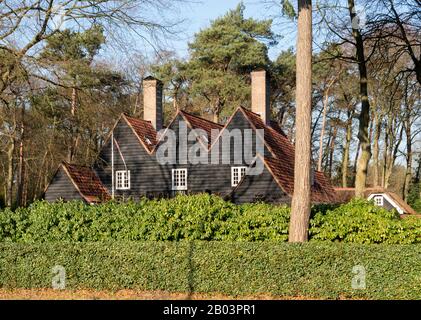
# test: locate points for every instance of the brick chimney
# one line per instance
(260, 95)
(152, 102)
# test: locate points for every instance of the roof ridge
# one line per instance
(76, 165)
(248, 110)
(200, 118)
(264, 124)
(137, 119)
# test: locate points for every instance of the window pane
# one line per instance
(179, 180)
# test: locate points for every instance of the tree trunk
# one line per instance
(73, 138)
(385, 155)
(322, 132)
(418, 171)
(354, 170)
(376, 151)
(325, 106)
(300, 207)
(325, 156)
(392, 158)
(408, 132)
(332, 151)
(408, 172)
(10, 173)
(364, 118)
(21, 166)
(217, 110)
(345, 160)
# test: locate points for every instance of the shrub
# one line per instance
(360, 221)
(416, 205)
(200, 217)
(316, 270)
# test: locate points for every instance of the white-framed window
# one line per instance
(236, 174)
(179, 179)
(122, 178)
(378, 200)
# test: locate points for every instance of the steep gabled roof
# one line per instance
(144, 131)
(199, 123)
(281, 164)
(406, 207)
(277, 142)
(86, 182)
(321, 190)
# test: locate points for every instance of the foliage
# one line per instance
(316, 270)
(200, 217)
(360, 221)
(414, 199)
(223, 55)
(416, 205)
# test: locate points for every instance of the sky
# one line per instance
(200, 14)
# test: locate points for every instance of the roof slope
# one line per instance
(200, 123)
(346, 194)
(406, 207)
(282, 163)
(144, 130)
(86, 182)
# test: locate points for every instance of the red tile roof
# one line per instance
(321, 190)
(282, 163)
(405, 207)
(200, 123)
(344, 194)
(275, 125)
(144, 130)
(86, 182)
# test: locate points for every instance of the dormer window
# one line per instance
(378, 201)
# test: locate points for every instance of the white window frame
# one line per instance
(237, 173)
(122, 176)
(175, 175)
(378, 200)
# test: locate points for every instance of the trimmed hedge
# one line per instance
(200, 217)
(317, 270)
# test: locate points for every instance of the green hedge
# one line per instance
(316, 270)
(200, 217)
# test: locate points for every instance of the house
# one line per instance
(381, 197)
(248, 159)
